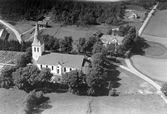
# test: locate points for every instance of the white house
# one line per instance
(108, 39)
(57, 62)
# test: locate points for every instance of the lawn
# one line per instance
(67, 103)
(129, 104)
(157, 25)
(11, 101)
(154, 68)
(132, 84)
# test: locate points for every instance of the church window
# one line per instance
(70, 69)
(46, 66)
(41, 66)
(64, 69)
(52, 68)
(34, 49)
(57, 71)
(37, 49)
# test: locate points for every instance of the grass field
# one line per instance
(131, 84)
(154, 68)
(157, 25)
(11, 101)
(128, 104)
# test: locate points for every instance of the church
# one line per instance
(58, 63)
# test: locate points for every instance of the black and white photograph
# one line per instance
(83, 56)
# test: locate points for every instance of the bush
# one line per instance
(164, 88)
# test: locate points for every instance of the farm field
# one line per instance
(6, 56)
(154, 68)
(157, 25)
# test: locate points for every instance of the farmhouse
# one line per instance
(58, 63)
(108, 39)
(43, 23)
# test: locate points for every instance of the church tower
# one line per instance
(37, 45)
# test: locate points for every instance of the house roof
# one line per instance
(44, 22)
(110, 38)
(68, 60)
(38, 41)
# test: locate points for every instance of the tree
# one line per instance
(68, 44)
(76, 82)
(25, 78)
(62, 45)
(32, 100)
(97, 48)
(164, 88)
(109, 32)
(23, 60)
(88, 46)
(96, 78)
(80, 44)
(6, 76)
(56, 45)
(43, 79)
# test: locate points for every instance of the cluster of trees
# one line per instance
(24, 9)
(93, 83)
(65, 45)
(88, 13)
(144, 3)
(26, 78)
(58, 45)
(14, 45)
(67, 11)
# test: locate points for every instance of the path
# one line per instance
(18, 36)
(147, 19)
(131, 69)
(135, 71)
(28, 31)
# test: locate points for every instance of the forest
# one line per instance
(68, 12)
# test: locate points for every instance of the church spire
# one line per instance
(37, 40)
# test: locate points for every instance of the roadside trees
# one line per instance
(164, 88)
(96, 78)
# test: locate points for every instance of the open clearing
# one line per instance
(154, 68)
(157, 25)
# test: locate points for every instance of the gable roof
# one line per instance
(68, 60)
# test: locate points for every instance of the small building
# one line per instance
(43, 23)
